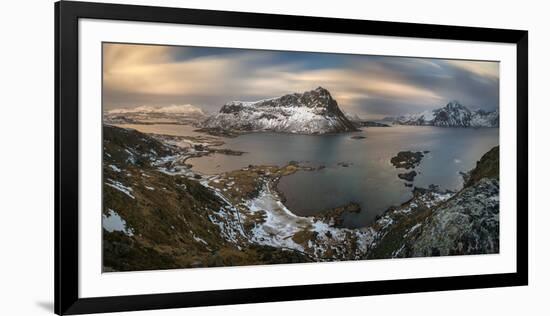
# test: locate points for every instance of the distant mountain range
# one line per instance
(311, 112)
(453, 114)
(360, 122)
(171, 114)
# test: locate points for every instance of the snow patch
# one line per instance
(120, 187)
(115, 168)
(113, 222)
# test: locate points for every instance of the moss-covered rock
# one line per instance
(486, 167)
(462, 224)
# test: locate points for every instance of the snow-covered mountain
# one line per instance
(453, 114)
(311, 112)
(188, 109)
(171, 114)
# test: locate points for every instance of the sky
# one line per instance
(370, 86)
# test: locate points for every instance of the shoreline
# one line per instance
(208, 140)
(239, 217)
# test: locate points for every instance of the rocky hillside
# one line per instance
(311, 112)
(486, 167)
(466, 224)
(436, 223)
(154, 218)
(159, 214)
(453, 114)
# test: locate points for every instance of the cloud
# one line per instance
(480, 68)
(350, 86)
(140, 74)
(119, 56)
(149, 70)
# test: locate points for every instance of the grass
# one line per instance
(169, 220)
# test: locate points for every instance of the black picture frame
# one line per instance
(67, 15)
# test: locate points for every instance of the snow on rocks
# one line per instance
(115, 168)
(131, 157)
(227, 218)
(280, 228)
(453, 114)
(466, 224)
(120, 187)
(311, 112)
(279, 223)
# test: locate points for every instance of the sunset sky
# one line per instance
(370, 86)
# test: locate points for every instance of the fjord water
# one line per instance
(369, 179)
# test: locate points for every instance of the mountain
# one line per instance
(171, 114)
(359, 122)
(453, 114)
(311, 112)
(188, 109)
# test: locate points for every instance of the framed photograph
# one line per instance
(208, 157)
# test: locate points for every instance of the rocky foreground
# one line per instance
(159, 214)
(437, 223)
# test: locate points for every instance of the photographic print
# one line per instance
(218, 157)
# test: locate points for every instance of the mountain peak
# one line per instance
(317, 98)
(321, 90)
(309, 112)
(453, 114)
(454, 104)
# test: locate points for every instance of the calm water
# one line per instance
(370, 179)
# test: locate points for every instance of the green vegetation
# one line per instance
(486, 167)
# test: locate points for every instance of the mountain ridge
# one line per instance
(145, 114)
(453, 114)
(310, 112)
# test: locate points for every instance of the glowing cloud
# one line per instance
(485, 69)
(134, 75)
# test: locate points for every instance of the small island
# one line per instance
(407, 159)
(408, 176)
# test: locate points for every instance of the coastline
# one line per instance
(250, 211)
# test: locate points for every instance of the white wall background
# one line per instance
(26, 155)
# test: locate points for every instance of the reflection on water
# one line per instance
(369, 179)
